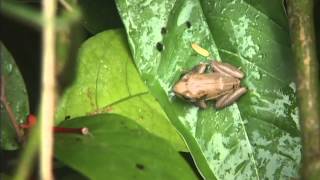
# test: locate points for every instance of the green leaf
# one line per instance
(118, 148)
(15, 98)
(99, 15)
(107, 81)
(256, 138)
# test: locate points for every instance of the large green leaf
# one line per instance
(107, 81)
(118, 148)
(16, 99)
(256, 138)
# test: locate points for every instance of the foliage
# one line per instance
(118, 148)
(118, 82)
(107, 82)
(14, 101)
(258, 135)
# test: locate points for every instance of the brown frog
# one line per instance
(222, 84)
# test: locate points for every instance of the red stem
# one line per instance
(83, 131)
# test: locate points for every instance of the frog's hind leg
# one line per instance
(227, 69)
(201, 68)
(228, 99)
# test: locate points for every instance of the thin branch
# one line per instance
(66, 5)
(28, 155)
(10, 112)
(48, 91)
(300, 15)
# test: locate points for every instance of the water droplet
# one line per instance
(256, 18)
(9, 68)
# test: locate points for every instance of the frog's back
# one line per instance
(212, 85)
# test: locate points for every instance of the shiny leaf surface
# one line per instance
(16, 98)
(118, 148)
(257, 137)
(107, 81)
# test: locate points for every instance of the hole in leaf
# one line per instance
(67, 117)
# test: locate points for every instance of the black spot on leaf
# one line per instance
(163, 31)
(159, 46)
(188, 24)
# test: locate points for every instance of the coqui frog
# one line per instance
(222, 84)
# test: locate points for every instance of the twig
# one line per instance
(300, 15)
(28, 155)
(66, 5)
(48, 89)
(9, 110)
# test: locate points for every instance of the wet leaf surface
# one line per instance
(256, 138)
(107, 82)
(118, 148)
(16, 99)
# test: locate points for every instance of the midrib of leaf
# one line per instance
(252, 158)
(156, 69)
(120, 100)
(242, 123)
(265, 15)
(273, 40)
(251, 63)
(123, 99)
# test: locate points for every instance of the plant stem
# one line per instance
(29, 153)
(48, 89)
(300, 14)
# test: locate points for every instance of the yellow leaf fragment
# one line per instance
(200, 50)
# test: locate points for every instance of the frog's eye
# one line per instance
(184, 77)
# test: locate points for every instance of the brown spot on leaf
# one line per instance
(108, 109)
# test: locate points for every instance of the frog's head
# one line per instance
(181, 90)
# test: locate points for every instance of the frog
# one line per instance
(221, 83)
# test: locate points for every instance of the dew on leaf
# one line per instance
(9, 68)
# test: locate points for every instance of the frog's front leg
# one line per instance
(230, 98)
(201, 103)
(227, 69)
